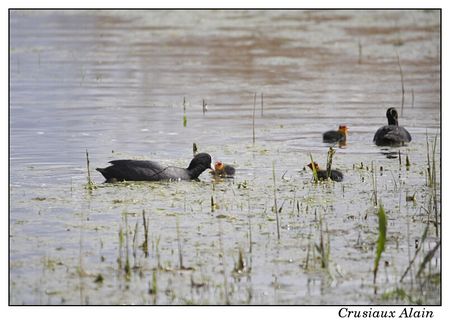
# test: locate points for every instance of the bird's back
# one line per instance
(133, 170)
(391, 135)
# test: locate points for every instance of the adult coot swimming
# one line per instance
(392, 134)
(223, 170)
(335, 175)
(336, 136)
(143, 170)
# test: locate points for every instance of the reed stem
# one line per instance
(275, 199)
(254, 109)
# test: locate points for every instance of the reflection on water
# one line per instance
(113, 82)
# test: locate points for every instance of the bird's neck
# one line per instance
(196, 171)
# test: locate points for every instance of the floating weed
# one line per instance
(243, 184)
(382, 228)
(99, 279)
(411, 198)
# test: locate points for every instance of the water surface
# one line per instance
(114, 82)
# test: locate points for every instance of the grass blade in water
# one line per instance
(382, 226)
(314, 170)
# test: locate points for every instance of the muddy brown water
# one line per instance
(113, 82)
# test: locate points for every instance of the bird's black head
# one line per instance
(202, 159)
(392, 116)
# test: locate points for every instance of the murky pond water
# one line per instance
(113, 83)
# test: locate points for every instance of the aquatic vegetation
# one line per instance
(275, 200)
(402, 83)
(253, 118)
(382, 228)
(214, 242)
(314, 170)
(90, 184)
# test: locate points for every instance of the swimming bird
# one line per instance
(143, 170)
(392, 134)
(336, 136)
(322, 175)
(223, 170)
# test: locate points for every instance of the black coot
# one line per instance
(223, 170)
(392, 134)
(333, 136)
(322, 175)
(143, 170)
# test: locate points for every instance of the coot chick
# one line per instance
(223, 170)
(333, 136)
(392, 134)
(322, 175)
(143, 170)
